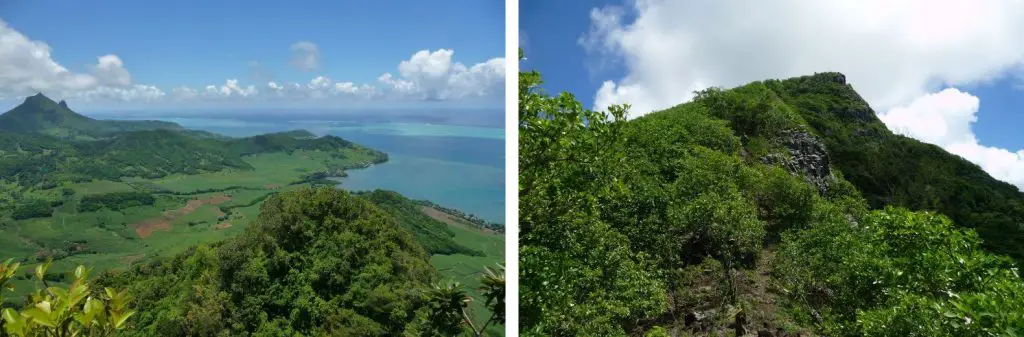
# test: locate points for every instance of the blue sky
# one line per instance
(552, 46)
(952, 78)
(193, 44)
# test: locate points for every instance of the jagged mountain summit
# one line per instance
(41, 115)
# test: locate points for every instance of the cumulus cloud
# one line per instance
(27, 67)
(133, 93)
(898, 55)
(434, 76)
(305, 56)
(944, 119)
(891, 52)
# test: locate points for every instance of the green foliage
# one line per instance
(45, 144)
(432, 234)
(657, 332)
(115, 201)
(32, 208)
(578, 275)
(617, 216)
(41, 115)
(317, 261)
(899, 171)
(448, 304)
(77, 310)
(901, 273)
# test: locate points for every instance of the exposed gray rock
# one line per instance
(807, 157)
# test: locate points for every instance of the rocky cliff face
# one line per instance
(807, 157)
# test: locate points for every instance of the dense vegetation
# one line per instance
(895, 170)
(731, 213)
(31, 208)
(316, 262)
(434, 235)
(115, 201)
(43, 144)
(78, 310)
(166, 202)
(41, 115)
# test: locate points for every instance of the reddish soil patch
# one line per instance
(146, 228)
(218, 199)
(222, 225)
(217, 212)
(452, 220)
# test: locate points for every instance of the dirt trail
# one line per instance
(163, 223)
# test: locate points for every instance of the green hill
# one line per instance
(781, 207)
(41, 115)
(316, 262)
(434, 235)
(891, 169)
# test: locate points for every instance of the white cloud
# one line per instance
(898, 55)
(136, 92)
(27, 67)
(110, 70)
(426, 64)
(433, 76)
(305, 56)
(945, 119)
(892, 52)
(319, 82)
(231, 88)
(184, 93)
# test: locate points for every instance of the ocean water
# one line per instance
(457, 166)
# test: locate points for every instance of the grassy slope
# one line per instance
(467, 269)
(109, 239)
(113, 242)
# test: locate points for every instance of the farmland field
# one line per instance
(181, 216)
(467, 269)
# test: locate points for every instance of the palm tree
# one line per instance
(450, 302)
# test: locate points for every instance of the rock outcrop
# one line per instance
(807, 157)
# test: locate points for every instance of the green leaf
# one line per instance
(40, 317)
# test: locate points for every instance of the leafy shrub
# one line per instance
(32, 208)
(115, 201)
(72, 311)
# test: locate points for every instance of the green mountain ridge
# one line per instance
(780, 207)
(44, 142)
(895, 170)
(317, 262)
(40, 114)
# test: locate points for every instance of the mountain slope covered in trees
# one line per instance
(44, 143)
(217, 235)
(41, 115)
(758, 209)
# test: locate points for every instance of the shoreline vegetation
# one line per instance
(120, 197)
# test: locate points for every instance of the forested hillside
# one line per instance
(776, 208)
(317, 262)
(41, 115)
